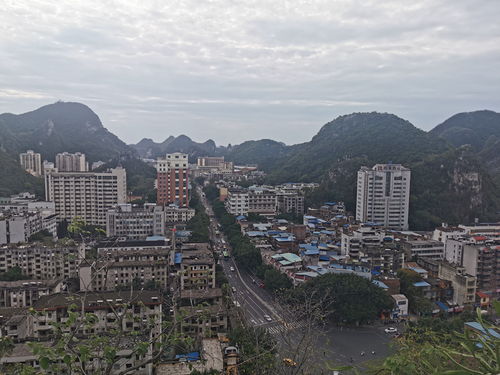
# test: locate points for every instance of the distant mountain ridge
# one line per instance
(59, 127)
(454, 166)
(149, 149)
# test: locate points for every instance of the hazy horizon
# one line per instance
(235, 71)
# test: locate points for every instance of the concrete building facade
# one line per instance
(31, 162)
(87, 195)
(66, 162)
(172, 180)
(383, 195)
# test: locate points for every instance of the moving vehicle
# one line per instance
(232, 269)
(233, 289)
(268, 318)
(236, 303)
(390, 330)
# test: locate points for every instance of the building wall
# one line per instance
(40, 262)
(31, 162)
(172, 180)
(383, 195)
(86, 194)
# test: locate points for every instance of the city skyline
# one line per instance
(234, 72)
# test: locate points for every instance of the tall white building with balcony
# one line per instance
(86, 194)
(383, 195)
(31, 162)
(66, 162)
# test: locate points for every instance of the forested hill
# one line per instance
(454, 167)
(448, 183)
(54, 128)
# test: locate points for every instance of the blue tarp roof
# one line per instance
(178, 258)
(314, 251)
(193, 356)
(442, 306)
(324, 258)
(241, 217)
(418, 270)
(307, 246)
(380, 284)
(155, 238)
(330, 203)
(329, 232)
(421, 284)
(256, 233)
(478, 327)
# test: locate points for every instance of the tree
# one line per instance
(349, 298)
(416, 301)
(275, 280)
(460, 352)
(13, 274)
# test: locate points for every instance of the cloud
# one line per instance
(237, 70)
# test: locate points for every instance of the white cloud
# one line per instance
(234, 70)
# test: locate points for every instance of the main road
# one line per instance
(342, 344)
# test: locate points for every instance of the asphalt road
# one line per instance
(333, 345)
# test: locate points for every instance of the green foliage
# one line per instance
(244, 252)
(211, 192)
(257, 350)
(200, 222)
(344, 298)
(275, 280)
(15, 179)
(416, 301)
(13, 274)
(78, 228)
(42, 236)
(439, 350)
(256, 218)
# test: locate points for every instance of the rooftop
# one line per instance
(97, 300)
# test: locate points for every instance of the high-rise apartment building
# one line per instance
(172, 180)
(66, 162)
(87, 195)
(31, 162)
(383, 195)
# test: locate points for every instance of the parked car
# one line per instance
(232, 269)
(391, 330)
(233, 289)
(268, 318)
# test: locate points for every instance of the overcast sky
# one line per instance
(235, 70)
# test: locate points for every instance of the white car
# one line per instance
(233, 289)
(268, 318)
(232, 269)
(390, 330)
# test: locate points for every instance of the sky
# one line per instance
(234, 70)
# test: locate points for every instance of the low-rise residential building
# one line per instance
(445, 231)
(400, 305)
(24, 293)
(42, 262)
(290, 201)
(236, 202)
(483, 262)
(197, 267)
(135, 222)
(423, 248)
(137, 310)
(19, 227)
(119, 269)
(463, 284)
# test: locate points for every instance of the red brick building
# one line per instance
(172, 180)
